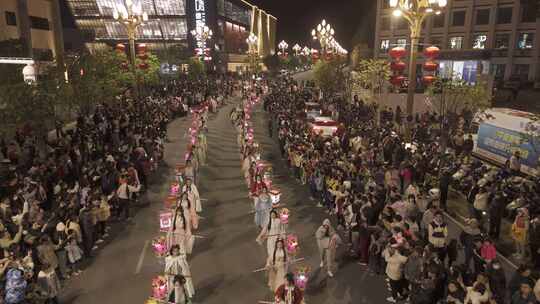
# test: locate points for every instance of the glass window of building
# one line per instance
(456, 42)
(479, 41)
(528, 11)
(502, 41)
(438, 20)
(521, 70)
(385, 45)
(482, 16)
(504, 15)
(458, 18)
(436, 41)
(385, 24)
(39, 23)
(525, 41)
(497, 70)
(402, 42)
(11, 18)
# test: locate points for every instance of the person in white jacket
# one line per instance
(394, 271)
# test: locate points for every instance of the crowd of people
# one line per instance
(60, 195)
(388, 197)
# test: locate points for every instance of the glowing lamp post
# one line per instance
(283, 46)
(297, 49)
(324, 33)
(252, 50)
(415, 11)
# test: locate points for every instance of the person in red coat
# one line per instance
(289, 293)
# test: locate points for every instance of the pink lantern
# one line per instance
(175, 187)
(159, 287)
(284, 216)
(397, 52)
(432, 52)
(165, 220)
(160, 246)
(301, 277)
(275, 195)
(292, 244)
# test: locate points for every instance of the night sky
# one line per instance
(296, 18)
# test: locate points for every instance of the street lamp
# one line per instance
(296, 48)
(324, 33)
(201, 35)
(415, 11)
(252, 49)
(131, 16)
(283, 46)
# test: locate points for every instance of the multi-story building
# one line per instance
(36, 24)
(496, 37)
(171, 21)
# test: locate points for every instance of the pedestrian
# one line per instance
(394, 271)
(327, 241)
(277, 265)
(438, 234)
(178, 294)
(49, 283)
(524, 295)
(519, 232)
(289, 293)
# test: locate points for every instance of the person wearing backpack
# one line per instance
(15, 288)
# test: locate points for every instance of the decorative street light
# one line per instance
(131, 16)
(201, 35)
(252, 49)
(296, 48)
(306, 51)
(283, 46)
(324, 33)
(415, 11)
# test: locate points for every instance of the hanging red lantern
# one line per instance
(428, 79)
(430, 66)
(397, 52)
(397, 80)
(432, 52)
(141, 48)
(120, 47)
(397, 66)
(143, 65)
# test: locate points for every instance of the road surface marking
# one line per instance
(460, 225)
(141, 257)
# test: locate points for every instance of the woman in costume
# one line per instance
(189, 210)
(180, 231)
(176, 264)
(289, 293)
(193, 194)
(263, 205)
(277, 265)
(272, 232)
(178, 294)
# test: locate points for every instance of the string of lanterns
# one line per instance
(398, 66)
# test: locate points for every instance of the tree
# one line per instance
(196, 68)
(456, 95)
(372, 75)
(329, 76)
(272, 63)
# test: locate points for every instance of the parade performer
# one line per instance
(189, 171)
(274, 230)
(189, 210)
(276, 265)
(176, 264)
(289, 293)
(263, 205)
(180, 231)
(256, 185)
(327, 241)
(193, 194)
(178, 294)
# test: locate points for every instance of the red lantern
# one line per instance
(143, 65)
(428, 79)
(432, 52)
(397, 80)
(397, 52)
(120, 47)
(143, 56)
(430, 66)
(141, 48)
(398, 66)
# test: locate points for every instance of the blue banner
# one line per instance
(503, 142)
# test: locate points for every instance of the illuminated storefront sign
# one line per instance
(200, 20)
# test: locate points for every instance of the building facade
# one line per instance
(476, 37)
(36, 24)
(171, 21)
